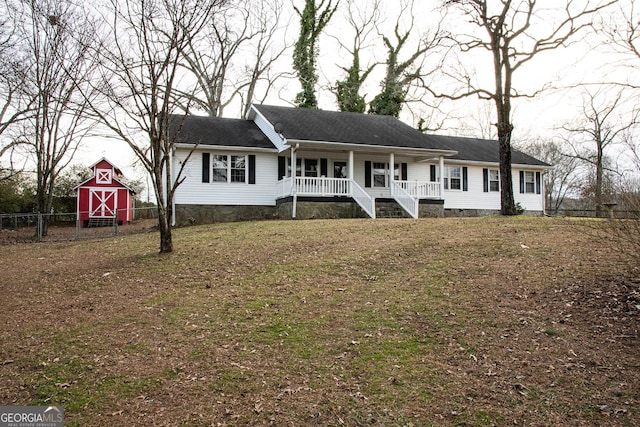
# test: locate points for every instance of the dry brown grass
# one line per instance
(487, 321)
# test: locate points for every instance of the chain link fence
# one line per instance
(60, 226)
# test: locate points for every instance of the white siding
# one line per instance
(476, 198)
(531, 202)
(195, 192)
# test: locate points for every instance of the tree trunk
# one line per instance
(507, 203)
(42, 227)
(164, 216)
(166, 241)
(599, 181)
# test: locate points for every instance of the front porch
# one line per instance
(412, 196)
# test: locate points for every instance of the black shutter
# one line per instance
(432, 173)
(282, 167)
(367, 174)
(521, 182)
(206, 166)
(465, 180)
(538, 183)
(324, 170)
(252, 168)
(403, 171)
(485, 180)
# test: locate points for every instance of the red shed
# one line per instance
(103, 197)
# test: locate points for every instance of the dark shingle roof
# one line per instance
(318, 125)
(308, 124)
(482, 150)
(219, 131)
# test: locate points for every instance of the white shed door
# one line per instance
(103, 203)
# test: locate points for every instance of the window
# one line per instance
(452, 178)
(379, 174)
(220, 165)
(529, 182)
(238, 168)
(494, 180)
(103, 176)
(229, 168)
(311, 167)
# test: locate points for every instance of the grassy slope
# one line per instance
(363, 322)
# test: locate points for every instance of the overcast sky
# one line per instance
(539, 117)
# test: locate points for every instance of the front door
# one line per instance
(340, 170)
(103, 203)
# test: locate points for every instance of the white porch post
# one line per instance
(442, 177)
(293, 182)
(351, 171)
(392, 160)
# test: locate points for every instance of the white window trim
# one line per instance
(447, 177)
(396, 174)
(104, 176)
(532, 182)
(230, 168)
(489, 180)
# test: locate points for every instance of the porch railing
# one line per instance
(421, 189)
(313, 186)
(405, 199)
(325, 187)
(284, 188)
(366, 202)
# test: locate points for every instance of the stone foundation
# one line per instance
(206, 214)
(320, 208)
(431, 208)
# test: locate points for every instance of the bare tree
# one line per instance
(56, 39)
(232, 57)
(13, 104)
(599, 128)
(564, 179)
(621, 31)
(149, 38)
(515, 32)
(400, 73)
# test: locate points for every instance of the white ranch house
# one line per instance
(283, 162)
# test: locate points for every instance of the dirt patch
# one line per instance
(62, 232)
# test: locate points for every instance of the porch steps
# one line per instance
(100, 222)
(390, 210)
